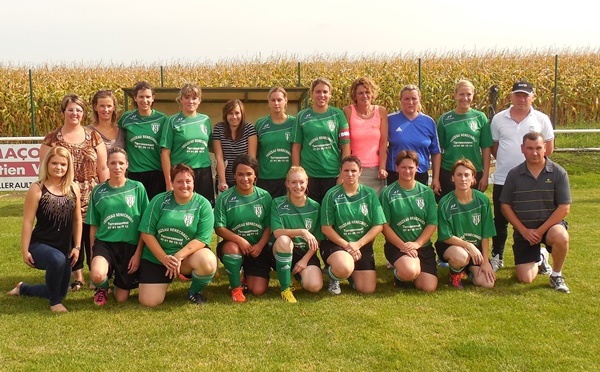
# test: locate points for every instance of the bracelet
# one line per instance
(78, 248)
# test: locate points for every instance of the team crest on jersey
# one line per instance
(331, 125)
(129, 199)
(155, 127)
(364, 208)
(188, 219)
(476, 218)
(203, 129)
(308, 223)
(258, 210)
(287, 136)
(473, 125)
(420, 202)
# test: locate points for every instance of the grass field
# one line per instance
(513, 327)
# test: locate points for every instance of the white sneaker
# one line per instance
(544, 267)
(558, 283)
(496, 262)
(334, 287)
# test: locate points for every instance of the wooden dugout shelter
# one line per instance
(254, 99)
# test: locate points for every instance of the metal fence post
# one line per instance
(31, 102)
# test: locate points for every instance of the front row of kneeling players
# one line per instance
(176, 230)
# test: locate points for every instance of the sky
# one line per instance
(151, 32)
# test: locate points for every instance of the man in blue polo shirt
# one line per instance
(535, 199)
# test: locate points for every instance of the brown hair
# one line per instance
(465, 163)
(142, 85)
(187, 90)
(181, 168)
(227, 108)
(407, 154)
(71, 98)
(104, 94)
(533, 136)
(367, 83)
(320, 80)
(351, 159)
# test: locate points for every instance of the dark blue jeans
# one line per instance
(500, 223)
(58, 274)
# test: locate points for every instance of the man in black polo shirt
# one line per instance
(536, 198)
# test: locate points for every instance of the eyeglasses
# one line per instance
(74, 111)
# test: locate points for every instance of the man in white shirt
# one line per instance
(508, 128)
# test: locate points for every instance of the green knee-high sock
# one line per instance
(199, 282)
(103, 284)
(283, 266)
(233, 265)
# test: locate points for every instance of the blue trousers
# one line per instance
(58, 274)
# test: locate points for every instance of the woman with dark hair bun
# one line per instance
(143, 128)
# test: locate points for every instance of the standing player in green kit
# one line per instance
(464, 132)
(185, 140)
(351, 218)
(274, 147)
(297, 231)
(321, 138)
(114, 214)
(177, 230)
(243, 220)
(143, 128)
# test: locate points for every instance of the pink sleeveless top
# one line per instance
(364, 137)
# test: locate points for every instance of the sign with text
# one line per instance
(19, 166)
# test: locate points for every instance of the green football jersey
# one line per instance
(188, 139)
(351, 216)
(117, 212)
(274, 147)
(470, 222)
(409, 211)
(464, 135)
(321, 135)
(245, 215)
(175, 225)
(285, 215)
(142, 140)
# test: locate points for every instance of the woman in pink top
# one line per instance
(368, 132)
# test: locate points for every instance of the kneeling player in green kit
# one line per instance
(243, 220)
(177, 230)
(295, 224)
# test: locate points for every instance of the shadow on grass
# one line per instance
(12, 210)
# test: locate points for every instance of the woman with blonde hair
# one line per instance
(274, 146)
(89, 166)
(297, 231)
(410, 129)
(464, 132)
(232, 137)
(186, 140)
(104, 119)
(368, 132)
(54, 204)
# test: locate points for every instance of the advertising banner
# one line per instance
(19, 166)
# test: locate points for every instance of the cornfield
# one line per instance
(578, 82)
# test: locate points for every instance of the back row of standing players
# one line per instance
(318, 139)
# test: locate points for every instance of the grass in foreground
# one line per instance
(512, 327)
